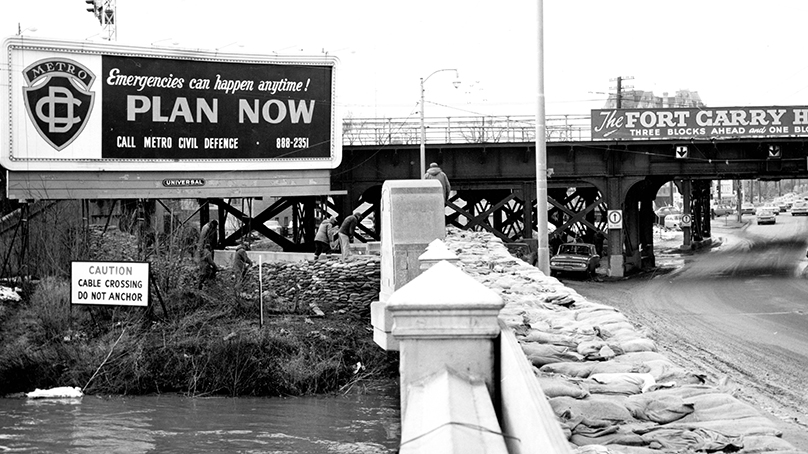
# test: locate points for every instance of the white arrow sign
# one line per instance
(615, 218)
(685, 220)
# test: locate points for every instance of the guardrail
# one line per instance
(462, 129)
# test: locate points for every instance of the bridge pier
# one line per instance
(686, 229)
(614, 199)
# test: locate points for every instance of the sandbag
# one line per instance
(756, 425)
(544, 337)
(718, 406)
(593, 407)
(637, 345)
(581, 370)
(617, 438)
(695, 439)
(595, 349)
(614, 448)
(541, 354)
(766, 444)
(623, 383)
(559, 386)
(658, 408)
(641, 357)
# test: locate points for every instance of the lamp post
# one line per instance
(20, 31)
(423, 127)
(543, 260)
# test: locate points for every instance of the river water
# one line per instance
(363, 423)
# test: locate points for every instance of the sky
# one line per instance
(732, 52)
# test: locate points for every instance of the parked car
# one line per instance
(665, 211)
(765, 216)
(673, 221)
(747, 208)
(799, 208)
(575, 257)
(723, 210)
(275, 226)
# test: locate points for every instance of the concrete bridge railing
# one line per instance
(466, 385)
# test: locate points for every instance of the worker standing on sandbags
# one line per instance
(346, 233)
(322, 240)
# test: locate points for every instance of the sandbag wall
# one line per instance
(609, 387)
(328, 284)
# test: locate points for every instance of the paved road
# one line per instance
(738, 312)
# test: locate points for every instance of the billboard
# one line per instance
(700, 123)
(89, 107)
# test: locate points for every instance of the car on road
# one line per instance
(673, 221)
(575, 257)
(773, 208)
(747, 208)
(799, 208)
(765, 216)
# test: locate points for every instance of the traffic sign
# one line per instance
(686, 220)
(681, 151)
(615, 218)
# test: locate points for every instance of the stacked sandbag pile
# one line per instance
(610, 388)
(328, 284)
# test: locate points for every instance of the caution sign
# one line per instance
(109, 283)
(686, 220)
(615, 218)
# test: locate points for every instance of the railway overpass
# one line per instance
(491, 164)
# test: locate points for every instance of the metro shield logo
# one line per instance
(58, 99)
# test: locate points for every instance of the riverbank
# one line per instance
(195, 342)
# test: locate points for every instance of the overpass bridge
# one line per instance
(491, 164)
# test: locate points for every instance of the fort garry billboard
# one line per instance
(700, 123)
(79, 106)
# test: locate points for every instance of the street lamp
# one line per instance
(423, 127)
(20, 31)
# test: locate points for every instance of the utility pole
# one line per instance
(619, 93)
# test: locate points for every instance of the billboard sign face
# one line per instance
(104, 107)
(700, 123)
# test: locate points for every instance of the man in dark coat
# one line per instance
(346, 233)
(207, 267)
(435, 173)
(322, 240)
(208, 236)
(241, 264)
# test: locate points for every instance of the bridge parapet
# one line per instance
(456, 361)
(462, 129)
